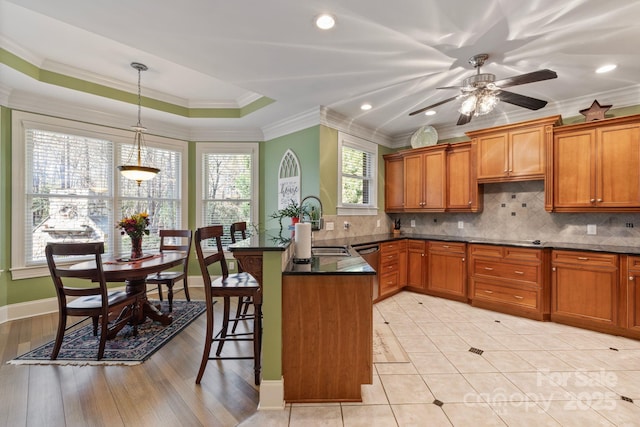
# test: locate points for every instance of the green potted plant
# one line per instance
(293, 210)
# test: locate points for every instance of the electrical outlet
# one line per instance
(591, 229)
(329, 226)
(629, 225)
(232, 265)
(346, 225)
(413, 223)
(460, 224)
(377, 223)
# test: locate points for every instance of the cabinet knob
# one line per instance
(553, 269)
(518, 272)
(505, 170)
(518, 297)
(630, 277)
(488, 292)
(592, 200)
(462, 259)
(599, 200)
(469, 202)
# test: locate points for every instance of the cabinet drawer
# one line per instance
(392, 246)
(633, 263)
(389, 258)
(388, 281)
(523, 272)
(591, 259)
(522, 254)
(486, 251)
(520, 297)
(417, 245)
(447, 247)
(388, 267)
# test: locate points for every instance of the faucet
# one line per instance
(315, 214)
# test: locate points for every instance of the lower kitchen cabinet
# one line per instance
(416, 264)
(585, 289)
(393, 267)
(632, 305)
(509, 279)
(446, 270)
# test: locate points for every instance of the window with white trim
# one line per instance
(357, 176)
(228, 185)
(70, 190)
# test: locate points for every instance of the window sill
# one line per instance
(370, 211)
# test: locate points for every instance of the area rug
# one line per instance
(80, 347)
(386, 348)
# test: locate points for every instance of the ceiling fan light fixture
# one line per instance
(366, 107)
(325, 21)
(138, 172)
(430, 113)
(606, 68)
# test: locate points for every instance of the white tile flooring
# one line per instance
(529, 374)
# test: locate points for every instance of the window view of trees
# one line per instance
(356, 176)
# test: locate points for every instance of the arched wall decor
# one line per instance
(288, 179)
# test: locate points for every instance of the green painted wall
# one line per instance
(305, 145)
(5, 201)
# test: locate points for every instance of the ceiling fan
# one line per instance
(481, 92)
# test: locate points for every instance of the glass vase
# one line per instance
(136, 247)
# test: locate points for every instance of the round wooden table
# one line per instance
(134, 274)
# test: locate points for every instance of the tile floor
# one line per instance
(529, 374)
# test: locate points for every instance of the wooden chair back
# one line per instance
(206, 260)
(177, 240)
(238, 227)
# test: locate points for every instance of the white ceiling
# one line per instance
(220, 53)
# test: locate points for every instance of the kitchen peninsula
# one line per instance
(317, 321)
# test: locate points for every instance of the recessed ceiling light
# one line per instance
(430, 113)
(366, 107)
(606, 68)
(325, 21)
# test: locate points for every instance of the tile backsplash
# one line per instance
(512, 211)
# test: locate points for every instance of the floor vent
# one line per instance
(627, 399)
(438, 403)
(613, 348)
(476, 350)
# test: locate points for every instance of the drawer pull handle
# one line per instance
(518, 297)
(488, 292)
(446, 246)
(519, 272)
(582, 258)
(488, 268)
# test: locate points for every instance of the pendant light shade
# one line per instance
(138, 172)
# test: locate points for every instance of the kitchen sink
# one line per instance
(330, 251)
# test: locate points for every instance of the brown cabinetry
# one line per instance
(632, 306)
(394, 183)
(393, 267)
(446, 270)
(514, 152)
(425, 179)
(596, 167)
(463, 193)
(584, 289)
(509, 279)
(416, 264)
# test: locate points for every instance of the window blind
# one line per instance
(357, 176)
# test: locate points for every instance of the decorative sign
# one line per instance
(288, 180)
(595, 112)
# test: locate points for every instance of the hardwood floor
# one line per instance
(160, 391)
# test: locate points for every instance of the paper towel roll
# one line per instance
(302, 241)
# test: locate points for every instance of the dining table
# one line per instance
(134, 272)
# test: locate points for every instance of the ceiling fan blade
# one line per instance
(521, 100)
(464, 119)
(535, 76)
(449, 87)
(432, 106)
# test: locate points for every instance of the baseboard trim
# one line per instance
(271, 395)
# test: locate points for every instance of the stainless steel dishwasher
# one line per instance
(371, 254)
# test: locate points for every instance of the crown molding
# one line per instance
(5, 92)
(347, 125)
(292, 124)
(221, 135)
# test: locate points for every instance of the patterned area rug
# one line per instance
(80, 347)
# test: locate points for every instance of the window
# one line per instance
(70, 190)
(357, 184)
(228, 185)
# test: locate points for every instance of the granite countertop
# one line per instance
(336, 265)
(270, 240)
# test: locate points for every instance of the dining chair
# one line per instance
(173, 240)
(243, 302)
(86, 299)
(227, 286)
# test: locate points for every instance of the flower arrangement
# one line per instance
(135, 225)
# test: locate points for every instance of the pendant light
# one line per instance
(138, 172)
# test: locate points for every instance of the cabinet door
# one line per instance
(416, 265)
(459, 183)
(434, 179)
(588, 295)
(633, 301)
(492, 156)
(526, 153)
(394, 185)
(413, 187)
(618, 166)
(447, 274)
(574, 169)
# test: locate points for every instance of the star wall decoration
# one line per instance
(595, 112)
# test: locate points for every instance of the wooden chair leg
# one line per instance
(62, 325)
(160, 291)
(225, 324)
(241, 304)
(170, 296)
(207, 342)
(95, 325)
(104, 331)
(186, 288)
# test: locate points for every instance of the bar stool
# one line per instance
(173, 240)
(227, 286)
(243, 302)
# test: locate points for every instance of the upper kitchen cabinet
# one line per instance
(394, 183)
(425, 179)
(595, 167)
(463, 192)
(513, 152)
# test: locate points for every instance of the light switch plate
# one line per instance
(413, 222)
(591, 229)
(378, 223)
(460, 224)
(329, 226)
